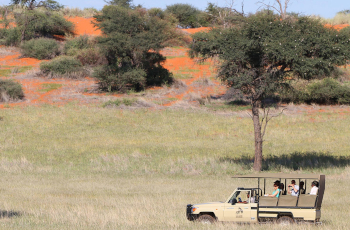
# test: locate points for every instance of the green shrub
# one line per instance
(10, 37)
(91, 57)
(326, 91)
(43, 24)
(186, 14)
(10, 91)
(41, 48)
(72, 46)
(63, 66)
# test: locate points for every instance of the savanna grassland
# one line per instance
(88, 167)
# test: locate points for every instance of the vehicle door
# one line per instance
(238, 208)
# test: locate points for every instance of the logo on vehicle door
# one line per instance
(240, 211)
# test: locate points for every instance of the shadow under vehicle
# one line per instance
(249, 205)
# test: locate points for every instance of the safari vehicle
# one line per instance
(249, 205)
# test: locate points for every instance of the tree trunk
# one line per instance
(257, 136)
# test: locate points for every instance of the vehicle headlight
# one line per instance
(194, 209)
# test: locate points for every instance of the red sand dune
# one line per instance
(84, 26)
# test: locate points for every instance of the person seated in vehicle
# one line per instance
(314, 188)
(275, 193)
(252, 199)
(294, 188)
(301, 187)
(283, 192)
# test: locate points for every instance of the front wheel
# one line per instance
(285, 220)
(206, 219)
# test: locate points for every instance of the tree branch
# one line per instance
(269, 119)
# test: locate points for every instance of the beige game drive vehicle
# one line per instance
(252, 205)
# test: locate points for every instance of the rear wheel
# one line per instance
(206, 219)
(285, 220)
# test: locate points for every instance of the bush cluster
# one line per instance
(63, 66)
(10, 91)
(10, 37)
(326, 91)
(41, 48)
(72, 46)
(91, 57)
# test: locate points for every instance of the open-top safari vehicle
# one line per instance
(250, 205)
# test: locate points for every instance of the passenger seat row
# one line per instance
(289, 201)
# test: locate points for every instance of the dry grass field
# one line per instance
(80, 167)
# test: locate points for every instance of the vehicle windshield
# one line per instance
(240, 196)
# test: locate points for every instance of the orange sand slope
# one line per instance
(196, 30)
(84, 26)
(337, 27)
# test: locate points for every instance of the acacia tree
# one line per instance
(186, 14)
(32, 4)
(262, 53)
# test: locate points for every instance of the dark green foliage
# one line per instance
(187, 15)
(260, 54)
(326, 91)
(10, 37)
(32, 22)
(10, 91)
(38, 23)
(41, 48)
(131, 44)
(63, 66)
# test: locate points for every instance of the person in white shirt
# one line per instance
(314, 188)
(295, 188)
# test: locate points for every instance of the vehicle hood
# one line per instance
(208, 203)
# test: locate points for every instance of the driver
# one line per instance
(252, 199)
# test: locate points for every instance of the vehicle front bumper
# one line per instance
(190, 216)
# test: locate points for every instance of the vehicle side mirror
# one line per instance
(234, 201)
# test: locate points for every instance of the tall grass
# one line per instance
(75, 167)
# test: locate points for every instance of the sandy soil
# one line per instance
(196, 81)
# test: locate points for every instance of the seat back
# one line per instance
(287, 200)
(268, 201)
(307, 201)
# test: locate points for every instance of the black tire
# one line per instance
(206, 219)
(285, 220)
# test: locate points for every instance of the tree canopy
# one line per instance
(131, 43)
(187, 15)
(261, 55)
(32, 4)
